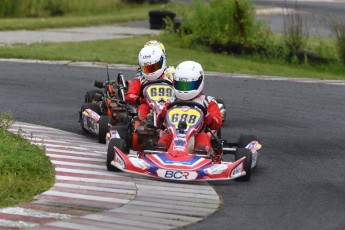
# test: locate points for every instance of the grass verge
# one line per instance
(125, 51)
(126, 13)
(25, 170)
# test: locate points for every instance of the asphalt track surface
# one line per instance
(299, 183)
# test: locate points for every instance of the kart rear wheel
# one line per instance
(90, 96)
(121, 145)
(244, 140)
(104, 122)
(243, 152)
(91, 106)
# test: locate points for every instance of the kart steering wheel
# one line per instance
(188, 103)
(153, 82)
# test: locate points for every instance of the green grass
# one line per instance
(125, 51)
(123, 14)
(25, 171)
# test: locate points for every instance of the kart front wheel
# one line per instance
(118, 143)
(104, 122)
(247, 164)
(123, 131)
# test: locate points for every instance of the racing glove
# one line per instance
(163, 113)
(208, 119)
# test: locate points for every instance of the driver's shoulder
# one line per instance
(203, 100)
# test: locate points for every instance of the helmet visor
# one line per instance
(152, 68)
(187, 85)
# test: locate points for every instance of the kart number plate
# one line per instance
(191, 116)
(176, 174)
(158, 92)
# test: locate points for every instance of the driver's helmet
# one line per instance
(156, 43)
(152, 62)
(188, 80)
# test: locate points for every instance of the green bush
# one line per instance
(42, 8)
(222, 23)
(338, 29)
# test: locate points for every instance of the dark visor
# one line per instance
(152, 68)
(187, 85)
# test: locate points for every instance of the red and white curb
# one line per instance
(86, 196)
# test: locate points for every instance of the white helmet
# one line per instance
(188, 80)
(156, 43)
(152, 62)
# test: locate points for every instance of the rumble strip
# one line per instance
(86, 196)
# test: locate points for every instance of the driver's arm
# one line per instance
(133, 92)
(213, 118)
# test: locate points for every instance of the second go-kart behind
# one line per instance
(105, 107)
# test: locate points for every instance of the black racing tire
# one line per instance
(120, 144)
(124, 134)
(244, 140)
(104, 122)
(247, 164)
(90, 96)
(91, 106)
(157, 18)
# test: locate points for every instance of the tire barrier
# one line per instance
(157, 18)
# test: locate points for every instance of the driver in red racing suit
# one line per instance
(152, 62)
(188, 84)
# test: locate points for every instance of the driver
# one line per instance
(189, 81)
(152, 62)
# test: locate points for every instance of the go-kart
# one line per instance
(105, 107)
(181, 161)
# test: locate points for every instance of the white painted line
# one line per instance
(91, 180)
(169, 216)
(87, 152)
(77, 164)
(69, 225)
(85, 197)
(17, 224)
(75, 158)
(195, 190)
(130, 222)
(94, 188)
(99, 173)
(34, 213)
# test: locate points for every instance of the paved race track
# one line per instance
(299, 183)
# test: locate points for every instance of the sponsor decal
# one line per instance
(139, 163)
(146, 56)
(176, 174)
(215, 169)
(179, 148)
(179, 142)
(119, 161)
(254, 159)
(237, 170)
(185, 108)
(114, 134)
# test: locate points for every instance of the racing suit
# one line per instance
(132, 95)
(213, 119)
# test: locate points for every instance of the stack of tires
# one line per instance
(157, 18)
